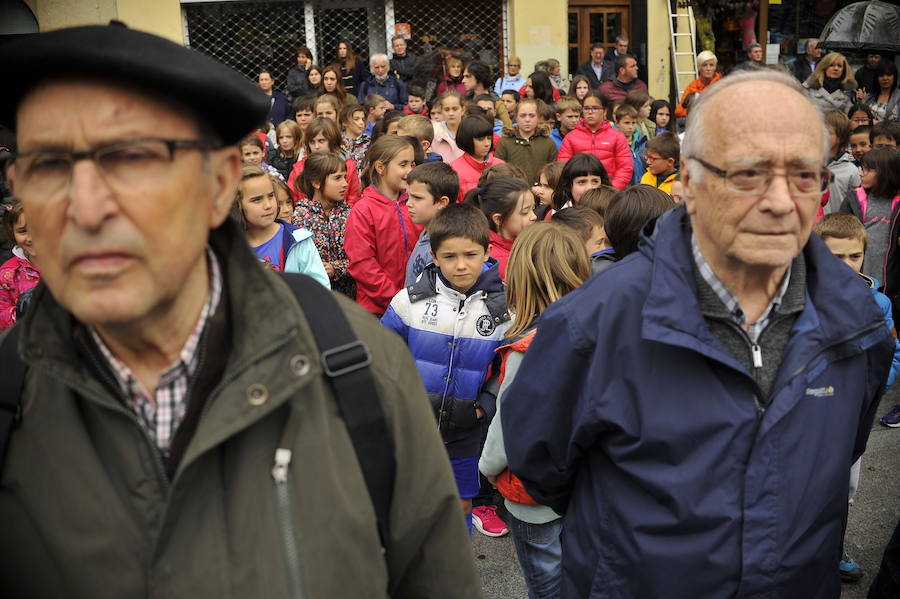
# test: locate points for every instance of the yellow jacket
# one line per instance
(650, 179)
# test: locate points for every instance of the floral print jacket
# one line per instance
(328, 234)
(17, 275)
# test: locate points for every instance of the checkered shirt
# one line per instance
(754, 330)
(160, 413)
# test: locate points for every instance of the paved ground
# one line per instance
(872, 520)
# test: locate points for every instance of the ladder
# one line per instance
(682, 31)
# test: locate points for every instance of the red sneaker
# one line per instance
(486, 520)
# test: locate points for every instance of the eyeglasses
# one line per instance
(122, 165)
(860, 121)
(756, 180)
(652, 158)
(512, 64)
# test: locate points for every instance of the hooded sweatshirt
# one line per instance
(606, 143)
(469, 170)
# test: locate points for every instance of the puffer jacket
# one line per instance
(379, 238)
(845, 179)
(100, 517)
(528, 154)
(452, 337)
(606, 143)
(840, 99)
(658, 448)
(470, 170)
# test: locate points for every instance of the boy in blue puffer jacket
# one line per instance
(846, 237)
(626, 122)
(453, 318)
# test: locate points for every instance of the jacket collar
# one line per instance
(604, 125)
(488, 284)
(543, 130)
(373, 192)
(501, 242)
(478, 165)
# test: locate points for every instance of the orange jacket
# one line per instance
(694, 87)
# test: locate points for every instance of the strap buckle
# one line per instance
(345, 359)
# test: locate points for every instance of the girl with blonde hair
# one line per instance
(547, 262)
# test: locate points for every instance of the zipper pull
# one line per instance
(757, 355)
(280, 469)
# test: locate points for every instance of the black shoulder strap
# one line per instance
(10, 387)
(345, 360)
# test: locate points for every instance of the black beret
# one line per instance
(228, 102)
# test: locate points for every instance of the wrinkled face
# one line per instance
(335, 188)
(488, 107)
(303, 117)
(621, 46)
(421, 204)
(516, 222)
(251, 154)
(106, 246)
(662, 116)
(286, 140)
(329, 81)
(848, 251)
(527, 118)
(593, 112)
(416, 104)
(460, 260)
(266, 82)
(513, 67)
(23, 237)
(835, 71)
(581, 89)
(568, 119)
(555, 71)
(325, 110)
(708, 69)
(597, 55)
(314, 77)
(258, 202)
(859, 145)
(318, 144)
(342, 50)
(813, 52)
(399, 47)
(742, 231)
(582, 184)
(451, 110)
(755, 54)
(380, 67)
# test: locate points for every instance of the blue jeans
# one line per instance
(539, 548)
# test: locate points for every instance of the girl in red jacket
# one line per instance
(475, 137)
(323, 135)
(594, 134)
(380, 235)
(508, 204)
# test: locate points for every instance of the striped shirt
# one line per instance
(161, 412)
(755, 329)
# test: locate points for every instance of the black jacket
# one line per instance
(404, 66)
(801, 69)
(607, 72)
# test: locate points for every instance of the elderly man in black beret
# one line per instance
(176, 434)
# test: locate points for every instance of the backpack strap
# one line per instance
(345, 361)
(11, 384)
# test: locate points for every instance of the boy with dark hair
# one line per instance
(375, 109)
(663, 154)
(452, 319)
(847, 238)
(860, 143)
(415, 101)
(885, 135)
(568, 111)
(431, 187)
(304, 111)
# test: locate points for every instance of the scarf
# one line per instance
(832, 85)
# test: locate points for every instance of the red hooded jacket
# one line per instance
(606, 143)
(352, 181)
(500, 248)
(470, 170)
(378, 239)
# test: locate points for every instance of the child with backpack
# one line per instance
(453, 318)
(380, 234)
(278, 244)
(547, 262)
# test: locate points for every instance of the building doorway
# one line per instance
(591, 22)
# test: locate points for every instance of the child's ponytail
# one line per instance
(499, 197)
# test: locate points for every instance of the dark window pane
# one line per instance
(596, 27)
(613, 26)
(573, 27)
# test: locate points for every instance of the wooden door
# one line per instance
(594, 23)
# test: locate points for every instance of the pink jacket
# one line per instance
(378, 240)
(606, 143)
(17, 275)
(470, 170)
(443, 144)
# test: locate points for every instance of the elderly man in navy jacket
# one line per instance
(695, 409)
(383, 83)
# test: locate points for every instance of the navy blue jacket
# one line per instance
(281, 108)
(393, 90)
(637, 422)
